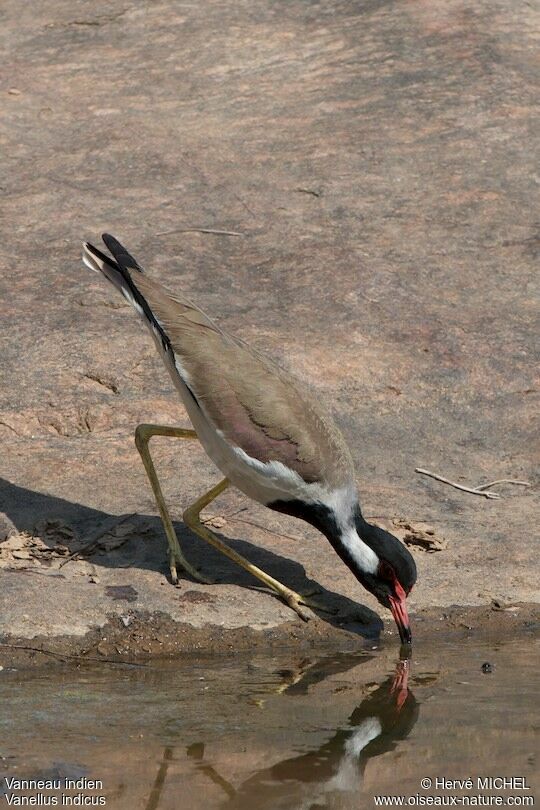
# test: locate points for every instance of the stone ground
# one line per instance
(377, 162)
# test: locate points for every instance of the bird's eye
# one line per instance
(386, 571)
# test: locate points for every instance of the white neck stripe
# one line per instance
(363, 556)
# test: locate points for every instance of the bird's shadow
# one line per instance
(145, 548)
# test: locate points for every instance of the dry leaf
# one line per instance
(119, 534)
(22, 554)
(216, 521)
(51, 528)
(420, 535)
(16, 541)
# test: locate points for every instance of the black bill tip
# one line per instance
(405, 634)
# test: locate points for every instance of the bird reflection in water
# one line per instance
(330, 777)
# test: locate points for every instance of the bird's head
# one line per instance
(378, 560)
(393, 577)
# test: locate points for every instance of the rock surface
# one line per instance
(378, 162)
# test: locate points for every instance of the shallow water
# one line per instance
(290, 732)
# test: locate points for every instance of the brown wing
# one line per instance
(257, 406)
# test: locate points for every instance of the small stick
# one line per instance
(474, 491)
(504, 481)
(33, 649)
(67, 656)
(200, 230)
(264, 528)
(231, 516)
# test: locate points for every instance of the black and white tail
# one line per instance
(119, 272)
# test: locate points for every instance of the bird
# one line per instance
(265, 431)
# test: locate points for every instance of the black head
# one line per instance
(395, 576)
(396, 571)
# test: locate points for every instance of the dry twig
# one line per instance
(68, 656)
(472, 490)
(479, 490)
(214, 231)
(265, 528)
(504, 481)
(232, 516)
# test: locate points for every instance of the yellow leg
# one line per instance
(191, 516)
(192, 520)
(143, 434)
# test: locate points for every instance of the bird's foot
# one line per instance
(176, 558)
(295, 600)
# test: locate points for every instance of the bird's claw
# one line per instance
(293, 601)
(179, 560)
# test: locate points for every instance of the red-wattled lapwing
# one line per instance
(268, 435)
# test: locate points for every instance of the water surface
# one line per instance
(290, 732)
